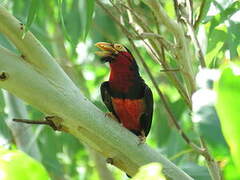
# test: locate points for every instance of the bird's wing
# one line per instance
(106, 96)
(146, 118)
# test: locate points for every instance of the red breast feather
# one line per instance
(129, 112)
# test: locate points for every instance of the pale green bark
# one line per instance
(40, 81)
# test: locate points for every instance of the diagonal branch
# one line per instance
(56, 95)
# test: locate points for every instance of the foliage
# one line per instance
(227, 106)
(14, 164)
(150, 171)
(81, 24)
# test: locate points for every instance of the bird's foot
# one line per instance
(111, 116)
(142, 138)
(109, 160)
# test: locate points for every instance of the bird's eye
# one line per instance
(119, 47)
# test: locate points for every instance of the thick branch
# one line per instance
(31, 49)
(57, 95)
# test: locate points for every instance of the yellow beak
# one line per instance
(107, 49)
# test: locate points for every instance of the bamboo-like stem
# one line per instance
(172, 76)
(52, 92)
(196, 44)
(22, 134)
(100, 164)
(182, 49)
(200, 16)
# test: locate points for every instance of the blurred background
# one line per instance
(68, 30)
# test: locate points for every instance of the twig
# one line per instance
(195, 42)
(170, 70)
(176, 8)
(47, 121)
(199, 18)
(183, 50)
(168, 45)
(212, 165)
(180, 154)
(190, 11)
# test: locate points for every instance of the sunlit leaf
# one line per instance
(86, 9)
(16, 165)
(228, 104)
(32, 13)
(151, 171)
(65, 32)
(233, 39)
(90, 9)
(204, 10)
(205, 117)
(223, 15)
(215, 42)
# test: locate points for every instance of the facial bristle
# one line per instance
(107, 59)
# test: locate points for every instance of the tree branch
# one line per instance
(43, 84)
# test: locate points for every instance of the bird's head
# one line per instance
(113, 52)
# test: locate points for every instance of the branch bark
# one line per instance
(40, 81)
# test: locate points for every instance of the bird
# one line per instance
(125, 94)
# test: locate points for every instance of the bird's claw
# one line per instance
(142, 138)
(111, 116)
(109, 160)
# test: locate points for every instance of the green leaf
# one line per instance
(195, 171)
(223, 15)
(205, 117)
(65, 32)
(233, 39)
(5, 134)
(228, 103)
(216, 41)
(32, 13)
(90, 9)
(16, 165)
(86, 9)
(205, 8)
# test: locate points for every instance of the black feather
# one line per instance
(146, 118)
(106, 97)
